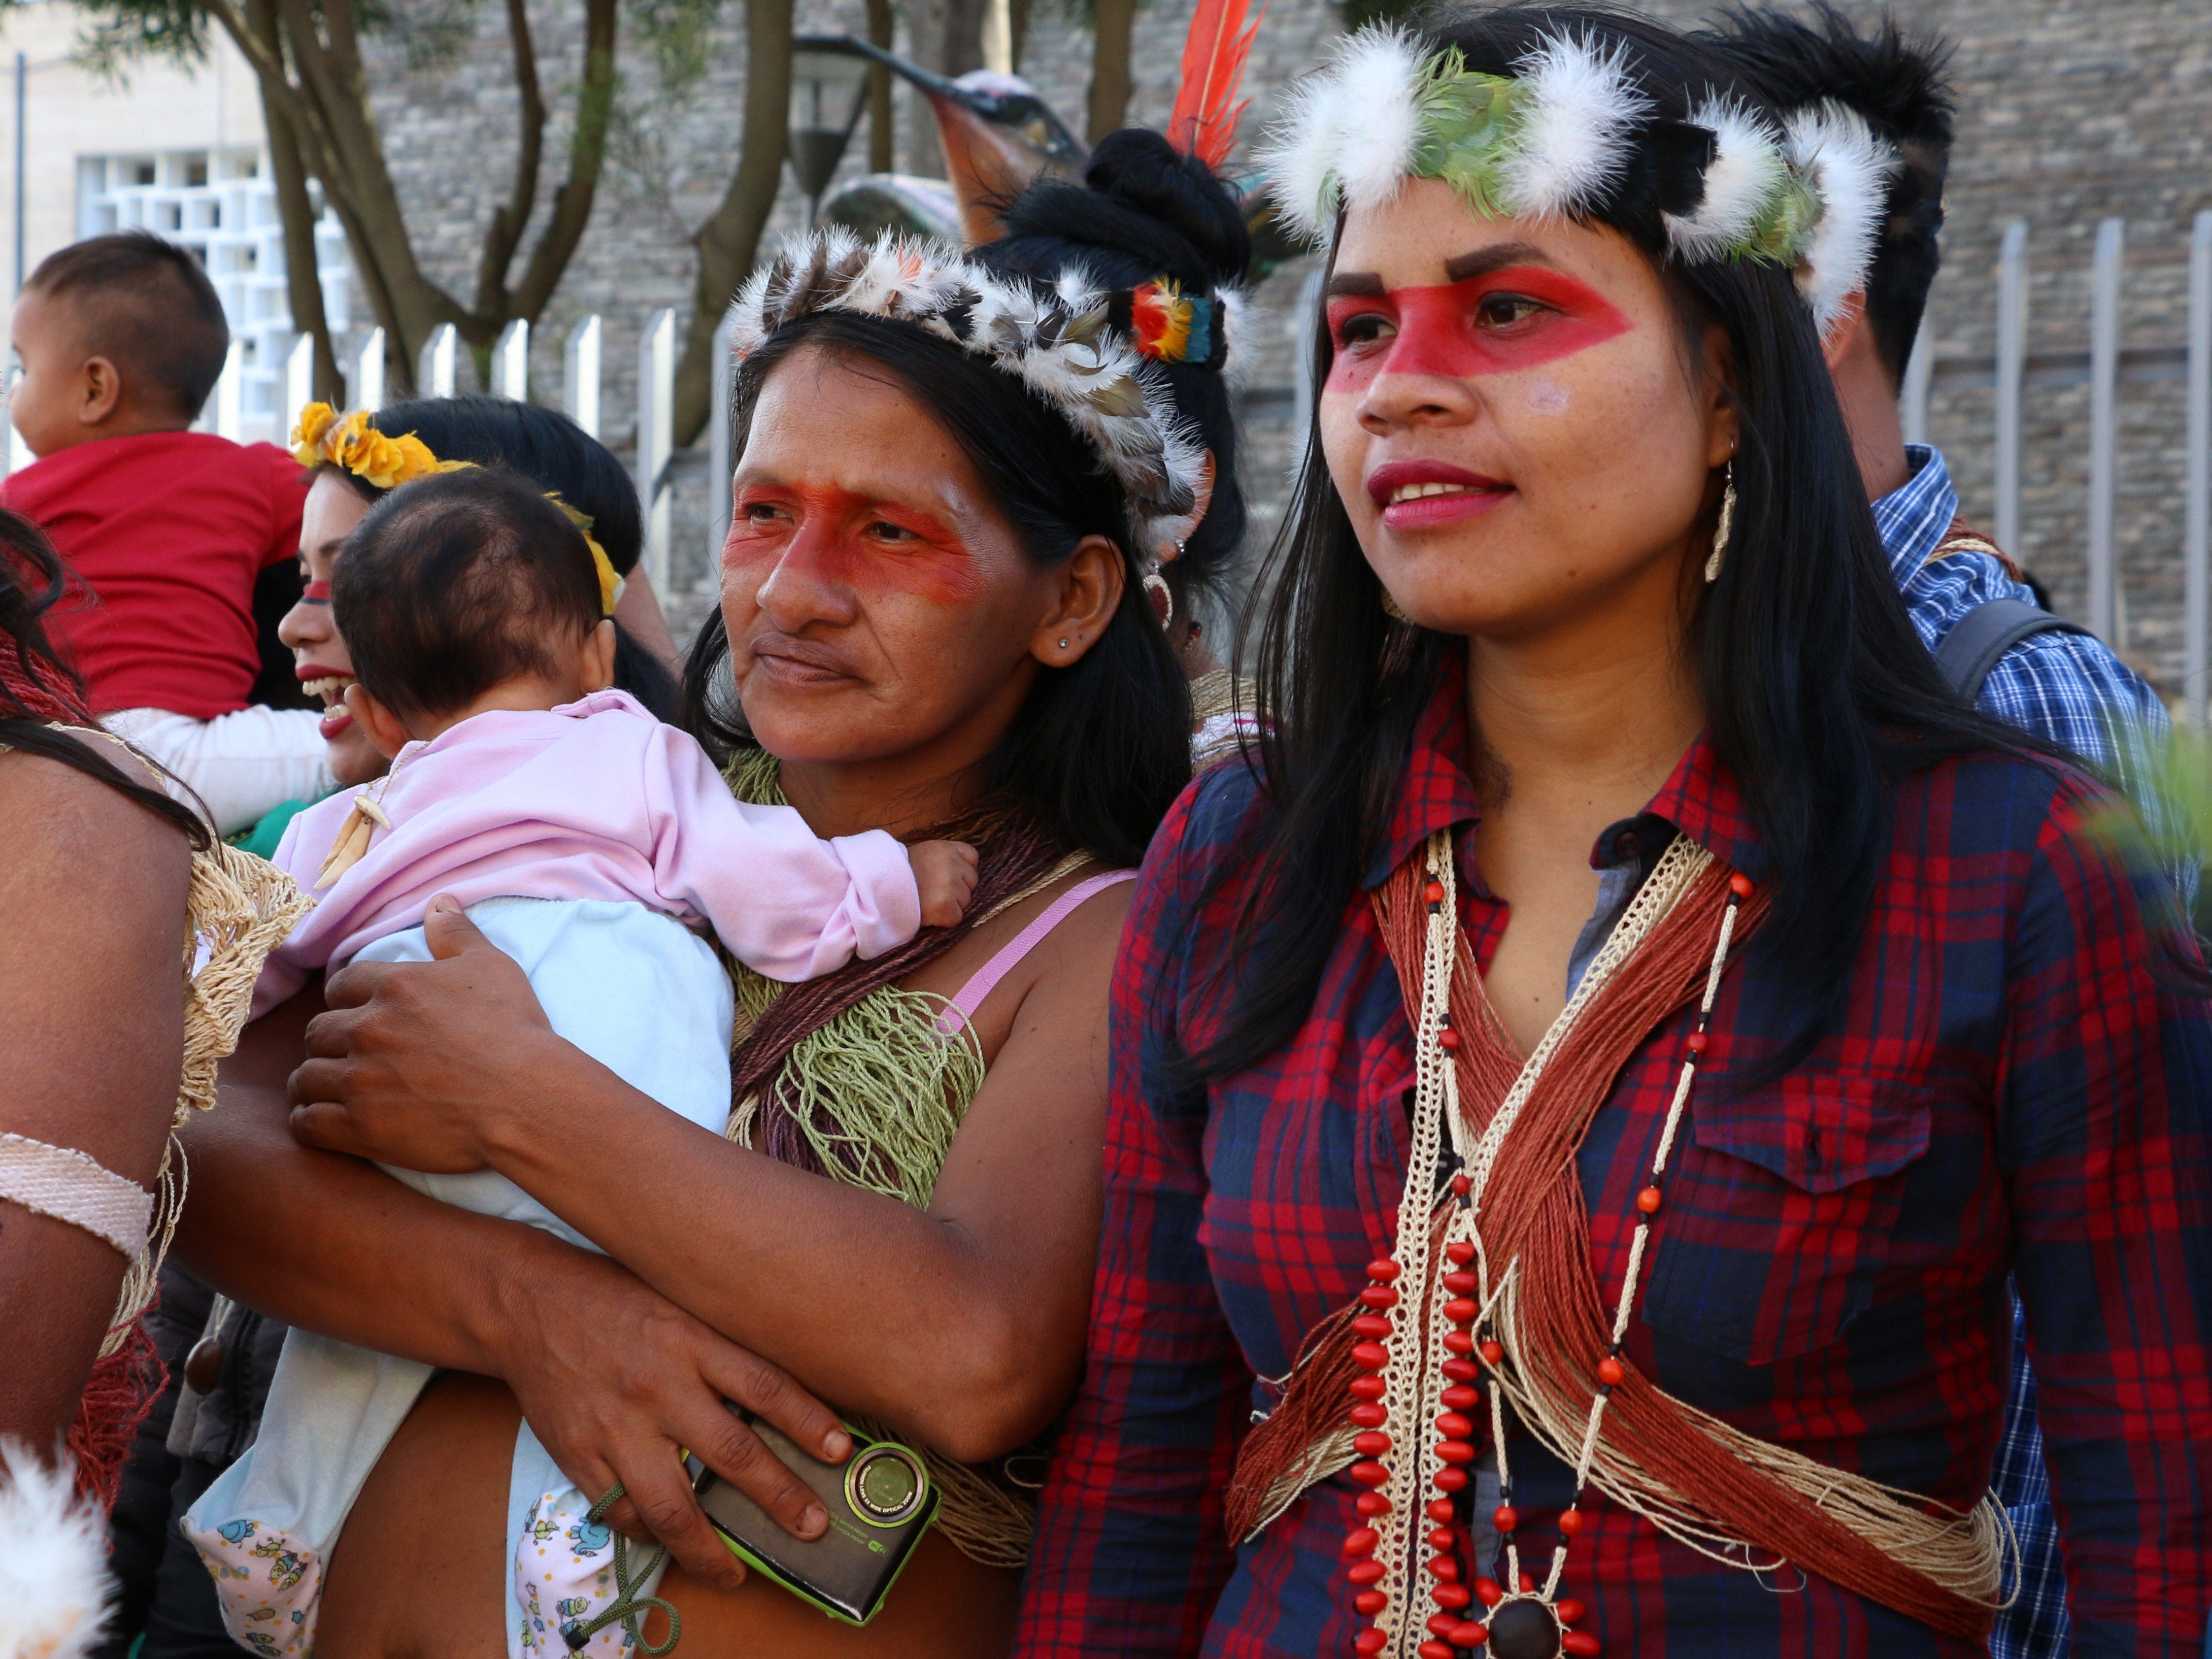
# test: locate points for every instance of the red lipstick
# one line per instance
(1419, 495)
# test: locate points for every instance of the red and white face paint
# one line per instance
(1513, 418)
(1502, 322)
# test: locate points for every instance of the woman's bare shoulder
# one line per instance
(72, 827)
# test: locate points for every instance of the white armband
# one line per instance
(71, 1186)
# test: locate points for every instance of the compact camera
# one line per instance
(880, 1501)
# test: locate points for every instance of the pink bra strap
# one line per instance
(969, 997)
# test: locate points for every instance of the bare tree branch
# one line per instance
(728, 240)
(504, 235)
(587, 155)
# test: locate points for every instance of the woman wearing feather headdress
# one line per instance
(950, 473)
(1578, 1093)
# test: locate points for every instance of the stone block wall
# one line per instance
(2069, 111)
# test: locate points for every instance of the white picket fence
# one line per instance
(435, 376)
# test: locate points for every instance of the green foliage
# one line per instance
(2178, 775)
(680, 32)
(116, 33)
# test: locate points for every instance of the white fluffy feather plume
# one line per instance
(1580, 118)
(54, 1585)
(1848, 169)
(1056, 340)
(1351, 124)
(1741, 179)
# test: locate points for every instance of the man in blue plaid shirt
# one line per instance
(2067, 687)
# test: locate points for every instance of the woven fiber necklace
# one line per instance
(1439, 1361)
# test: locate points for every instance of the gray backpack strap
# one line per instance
(1966, 654)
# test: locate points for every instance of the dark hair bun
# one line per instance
(1144, 210)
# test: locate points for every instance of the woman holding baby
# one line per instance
(934, 625)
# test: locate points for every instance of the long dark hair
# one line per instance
(1817, 692)
(554, 453)
(1145, 211)
(38, 688)
(1099, 750)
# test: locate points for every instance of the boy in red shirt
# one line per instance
(120, 339)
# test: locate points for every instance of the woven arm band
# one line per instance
(58, 1181)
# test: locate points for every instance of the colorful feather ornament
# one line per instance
(1204, 120)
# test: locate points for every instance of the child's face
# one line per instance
(60, 396)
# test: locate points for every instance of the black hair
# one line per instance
(1816, 689)
(459, 583)
(1900, 85)
(38, 689)
(1100, 749)
(1143, 210)
(147, 304)
(557, 454)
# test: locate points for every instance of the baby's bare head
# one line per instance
(460, 583)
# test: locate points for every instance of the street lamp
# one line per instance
(829, 88)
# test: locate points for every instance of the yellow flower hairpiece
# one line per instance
(322, 438)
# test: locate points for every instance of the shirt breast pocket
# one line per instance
(1778, 1214)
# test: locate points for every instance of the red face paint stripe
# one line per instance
(1452, 330)
(829, 529)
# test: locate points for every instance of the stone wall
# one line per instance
(2071, 112)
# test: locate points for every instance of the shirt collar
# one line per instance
(1913, 517)
(1700, 797)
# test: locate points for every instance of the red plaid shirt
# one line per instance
(2011, 1090)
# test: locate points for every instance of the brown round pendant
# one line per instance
(1524, 1628)
(203, 1364)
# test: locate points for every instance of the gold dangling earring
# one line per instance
(1390, 608)
(1727, 522)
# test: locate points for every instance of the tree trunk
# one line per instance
(314, 85)
(1113, 22)
(880, 135)
(296, 212)
(1018, 14)
(728, 240)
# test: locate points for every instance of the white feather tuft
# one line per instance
(54, 1585)
(1741, 181)
(1580, 119)
(1053, 338)
(1848, 168)
(1347, 132)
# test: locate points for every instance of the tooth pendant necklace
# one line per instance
(1457, 1363)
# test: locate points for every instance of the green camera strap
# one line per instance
(630, 1607)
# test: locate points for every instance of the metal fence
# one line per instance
(2104, 368)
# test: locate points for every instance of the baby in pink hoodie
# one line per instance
(597, 847)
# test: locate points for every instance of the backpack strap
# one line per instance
(1977, 640)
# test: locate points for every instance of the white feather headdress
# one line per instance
(1848, 168)
(1555, 140)
(1059, 342)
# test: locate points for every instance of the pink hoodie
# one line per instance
(594, 799)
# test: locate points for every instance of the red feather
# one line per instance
(1204, 120)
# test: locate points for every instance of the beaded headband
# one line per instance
(1557, 138)
(384, 462)
(1063, 342)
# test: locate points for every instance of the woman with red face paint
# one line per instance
(931, 620)
(1579, 1094)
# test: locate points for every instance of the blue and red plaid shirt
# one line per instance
(2011, 1090)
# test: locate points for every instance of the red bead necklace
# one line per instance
(1525, 1621)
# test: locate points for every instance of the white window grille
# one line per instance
(222, 204)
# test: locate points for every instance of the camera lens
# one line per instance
(885, 1484)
